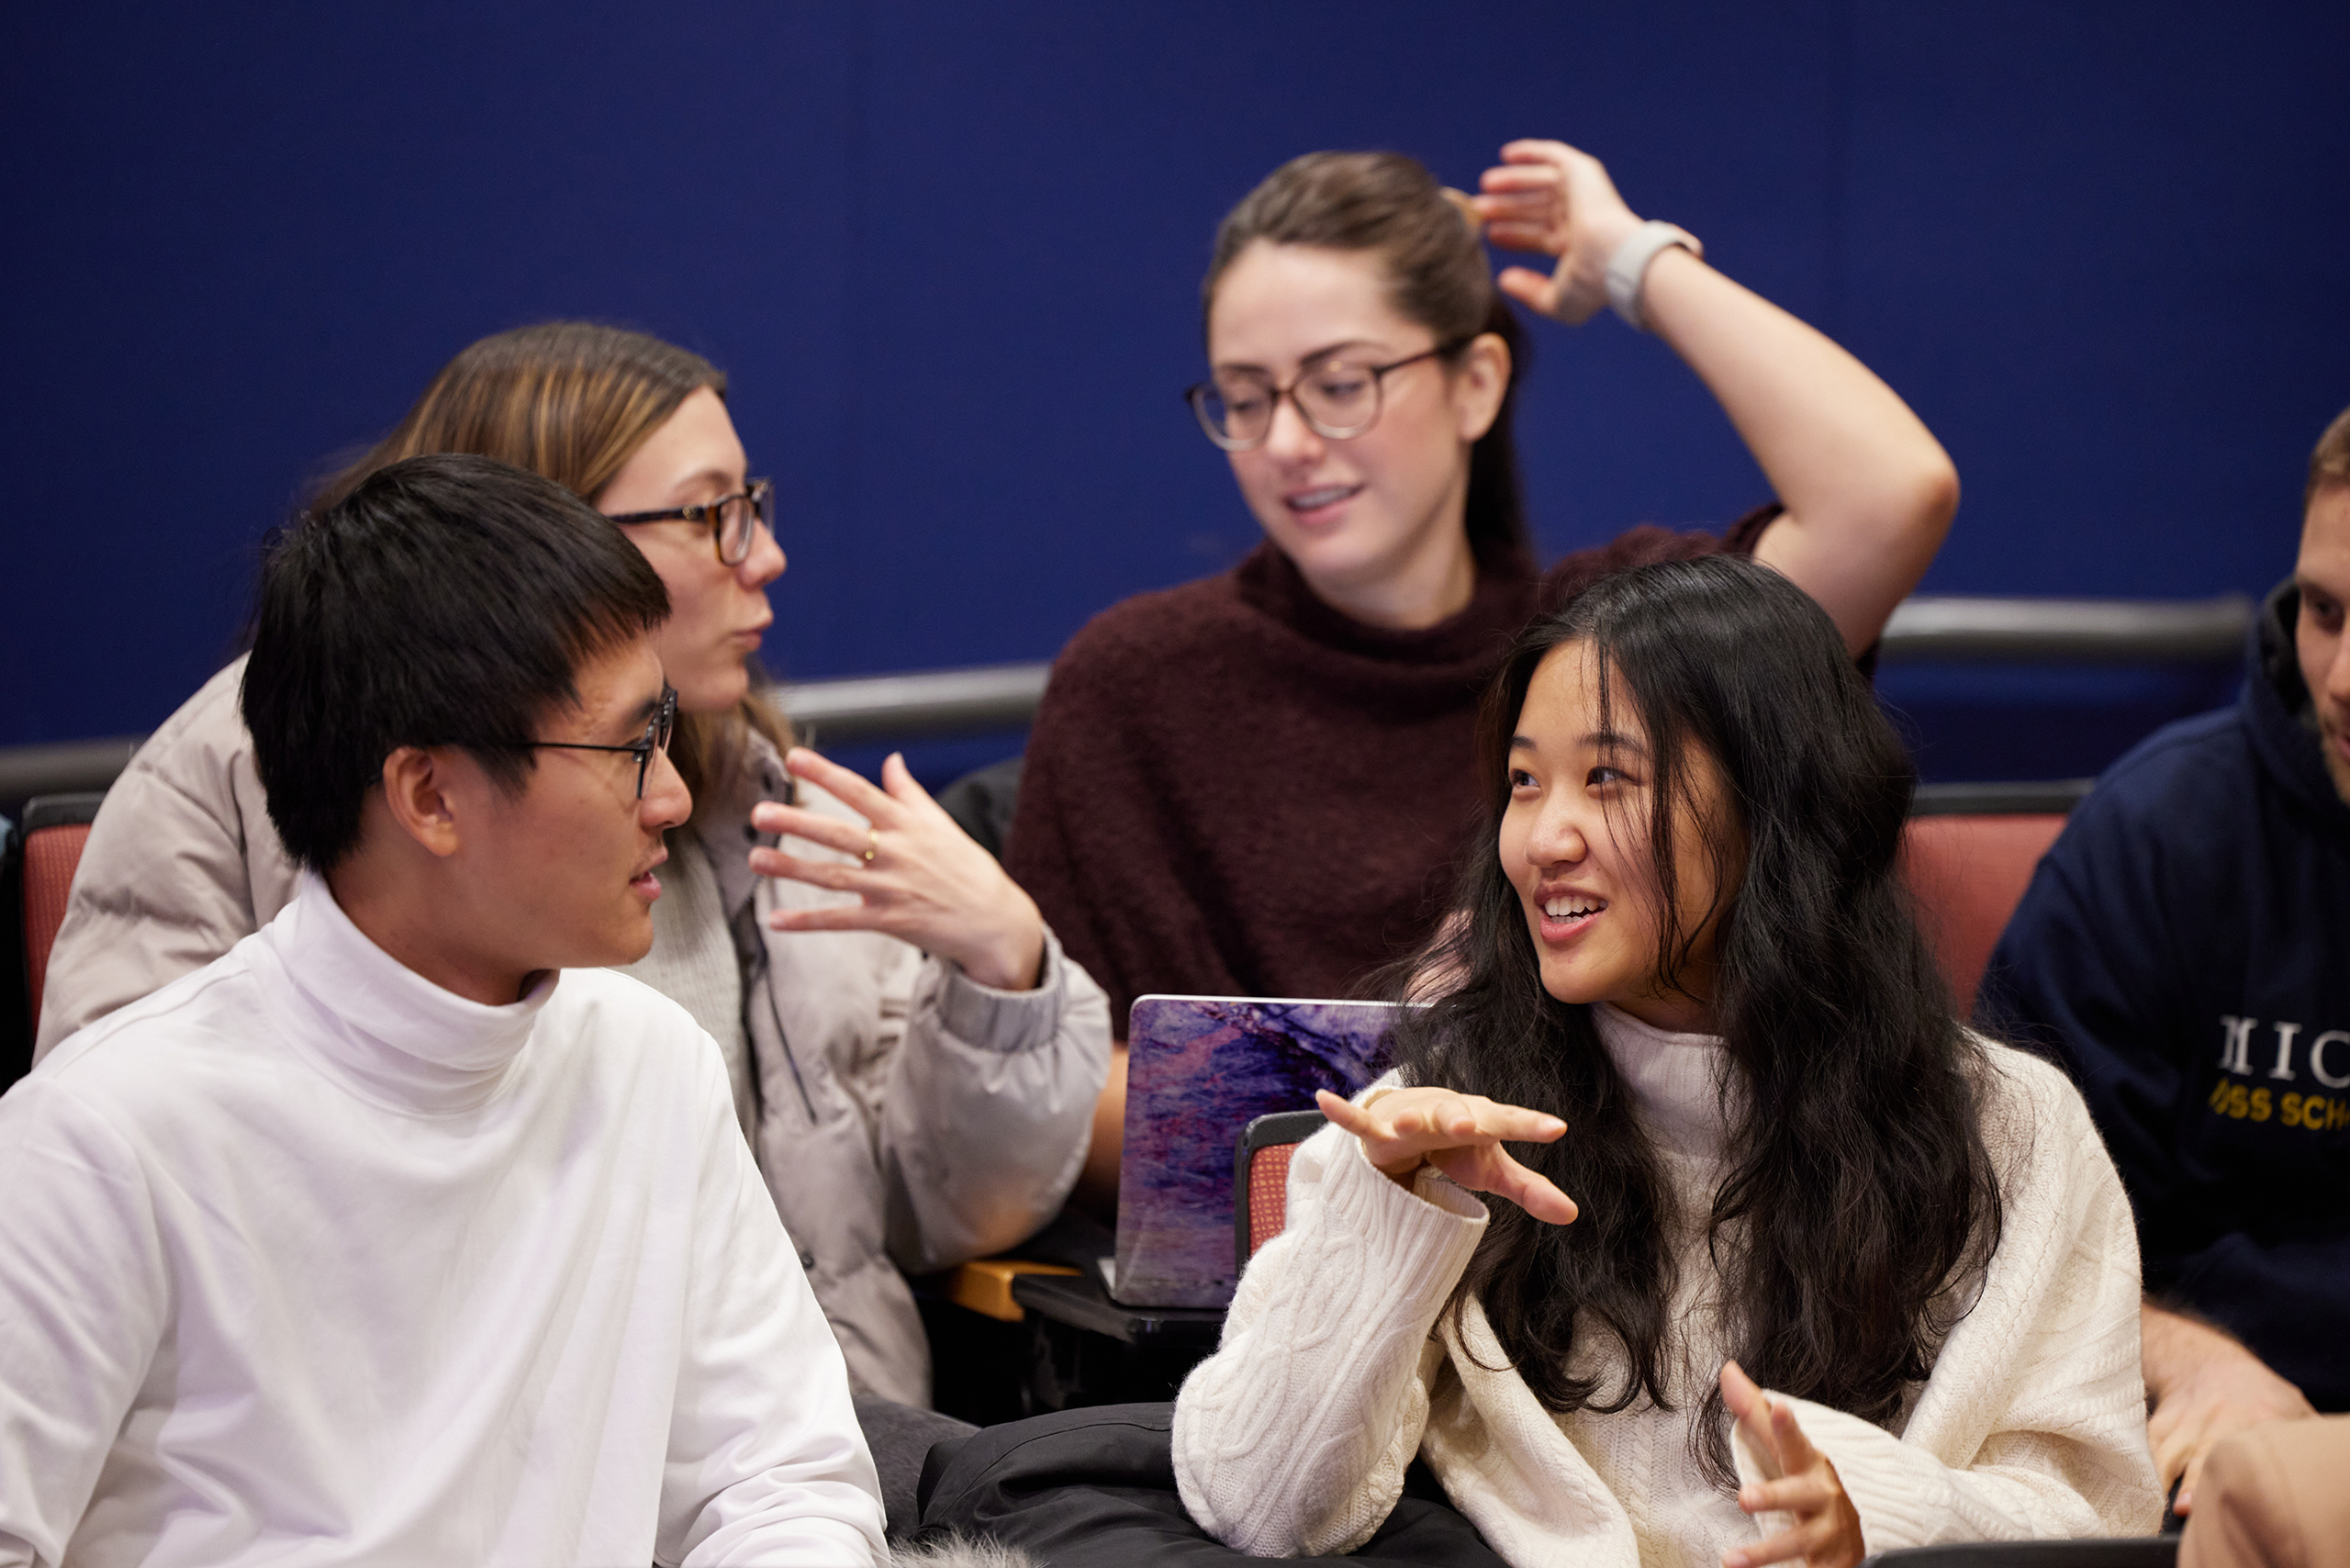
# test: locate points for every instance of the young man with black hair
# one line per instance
(2185, 948)
(382, 1238)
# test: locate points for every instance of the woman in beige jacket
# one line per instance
(914, 1061)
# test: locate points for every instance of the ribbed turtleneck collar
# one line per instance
(1675, 1080)
(395, 1035)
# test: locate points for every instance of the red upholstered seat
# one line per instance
(1261, 1179)
(1968, 874)
(50, 855)
(52, 833)
(1267, 1194)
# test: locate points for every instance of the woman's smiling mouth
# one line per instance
(1322, 498)
(1565, 916)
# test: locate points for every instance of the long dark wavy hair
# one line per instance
(1437, 275)
(1858, 1198)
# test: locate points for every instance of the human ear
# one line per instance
(416, 794)
(1480, 383)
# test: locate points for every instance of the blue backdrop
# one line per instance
(950, 256)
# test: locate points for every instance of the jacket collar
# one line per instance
(382, 1029)
(2276, 714)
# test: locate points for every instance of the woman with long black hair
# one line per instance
(1692, 1035)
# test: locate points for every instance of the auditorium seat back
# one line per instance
(1968, 873)
(1261, 1179)
(55, 829)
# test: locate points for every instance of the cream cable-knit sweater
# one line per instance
(1336, 1368)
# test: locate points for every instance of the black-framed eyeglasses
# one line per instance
(657, 731)
(1337, 398)
(734, 521)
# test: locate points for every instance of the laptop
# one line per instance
(1199, 1068)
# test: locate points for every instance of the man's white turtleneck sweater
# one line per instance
(1339, 1363)
(305, 1259)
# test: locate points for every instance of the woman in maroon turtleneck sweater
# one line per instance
(1255, 784)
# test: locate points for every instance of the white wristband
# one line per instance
(1629, 267)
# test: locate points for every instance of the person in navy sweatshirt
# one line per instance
(2184, 950)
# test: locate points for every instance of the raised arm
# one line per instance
(1868, 490)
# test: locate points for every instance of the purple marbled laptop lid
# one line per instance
(1198, 1069)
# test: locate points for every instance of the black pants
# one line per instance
(901, 1436)
(1097, 1486)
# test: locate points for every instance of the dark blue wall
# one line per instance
(950, 255)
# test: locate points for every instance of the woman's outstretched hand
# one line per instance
(1460, 1134)
(1549, 199)
(1826, 1531)
(916, 875)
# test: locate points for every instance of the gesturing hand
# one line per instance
(916, 875)
(1826, 1531)
(1461, 1136)
(1550, 198)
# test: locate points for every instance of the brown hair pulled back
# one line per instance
(570, 401)
(1436, 274)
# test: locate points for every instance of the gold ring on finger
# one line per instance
(872, 844)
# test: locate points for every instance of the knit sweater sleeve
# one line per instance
(1292, 1440)
(2032, 1424)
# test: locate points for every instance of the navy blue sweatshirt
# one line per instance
(2184, 950)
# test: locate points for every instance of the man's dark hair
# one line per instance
(446, 600)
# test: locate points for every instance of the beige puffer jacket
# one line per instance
(908, 1117)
